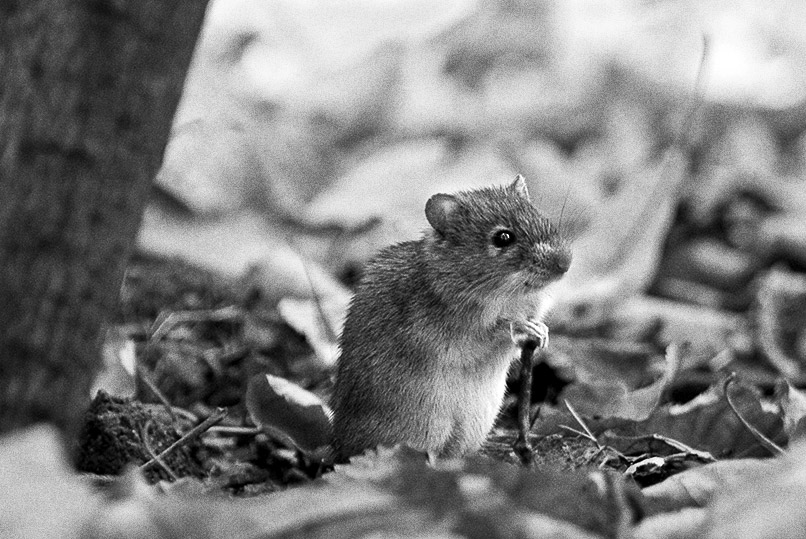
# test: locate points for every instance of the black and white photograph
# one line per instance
(460, 269)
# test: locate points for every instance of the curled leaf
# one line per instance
(781, 319)
(616, 401)
(286, 411)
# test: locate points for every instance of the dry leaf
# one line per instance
(697, 487)
(765, 504)
(618, 254)
(706, 423)
(613, 400)
(793, 409)
(781, 320)
(686, 523)
(284, 409)
(41, 497)
(117, 376)
(484, 498)
(238, 245)
(308, 318)
(706, 331)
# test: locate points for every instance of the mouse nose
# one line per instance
(561, 261)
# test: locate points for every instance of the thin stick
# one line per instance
(236, 431)
(582, 424)
(523, 446)
(193, 433)
(580, 433)
(156, 458)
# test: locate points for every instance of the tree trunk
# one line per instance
(88, 89)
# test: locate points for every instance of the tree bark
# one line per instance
(88, 89)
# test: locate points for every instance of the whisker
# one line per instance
(562, 208)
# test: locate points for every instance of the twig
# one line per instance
(579, 433)
(768, 444)
(154, 457)
(217, 416)
(582, 424)
(236, 431)
(523, 446)
(596, 454)
(680, 446)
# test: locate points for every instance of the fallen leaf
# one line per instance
(783, 236)
(238, 245)
(307, 318)
(41, 497)
(706, 331)
(483, 497)
(612, 400)
(617, 255)
(658, 457)
(781, 319)
(117, 376)
(284, 409)
(793, 409)
(765, 504)
(697, 487)
(686, 523)
(706, 423)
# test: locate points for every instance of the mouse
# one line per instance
(435, 323)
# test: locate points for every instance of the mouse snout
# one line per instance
(560, 261)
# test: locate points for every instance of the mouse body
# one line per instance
(435, 324)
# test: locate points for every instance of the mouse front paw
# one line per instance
(529, 330)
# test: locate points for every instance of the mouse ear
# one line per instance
(439, 209)
(519, 186)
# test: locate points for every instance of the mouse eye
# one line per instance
(503, 238)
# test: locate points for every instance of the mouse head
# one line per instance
(491, 237)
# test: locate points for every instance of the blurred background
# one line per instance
(311, 133)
